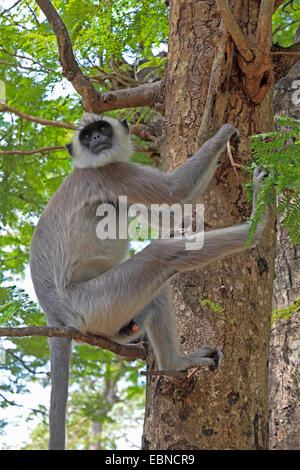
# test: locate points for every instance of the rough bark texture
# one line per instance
(227, 409)
(284, 373)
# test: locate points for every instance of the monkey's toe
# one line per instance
(217, 357)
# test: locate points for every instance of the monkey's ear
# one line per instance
(69, 147)
(125, 125)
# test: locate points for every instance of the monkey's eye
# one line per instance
(86, 136)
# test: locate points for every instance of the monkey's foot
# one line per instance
(259, 176)
(206, 355)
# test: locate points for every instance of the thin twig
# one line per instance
(18, 66)
(17, 358)
(282, 27)
(168, 373)
(18, 56)
(31, 152)
(12, 403)
(14, 5)
(232, 161)
(284, 53)
(234, 164)
(45, 122)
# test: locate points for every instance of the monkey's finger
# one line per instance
(218, 357)
(236, 137)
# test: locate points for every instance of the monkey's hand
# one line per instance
(227, 131)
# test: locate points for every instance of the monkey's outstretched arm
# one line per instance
(190, 180)
(186, 182)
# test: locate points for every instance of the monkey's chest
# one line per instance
(100, 230)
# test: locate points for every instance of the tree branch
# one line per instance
(31, 152)
(238, 37)
(44, 122)
(92, 100)
(129, 352)
(71, 70)
(219, 83)
(143, 95)
(277, 4)
(264, 26)
(14, 5)
(284, 58)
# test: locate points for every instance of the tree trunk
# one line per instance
(95, 436)
(227, 409)
(285, 335)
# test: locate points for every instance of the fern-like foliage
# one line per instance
(285, 313)
(215, 307)
(279, 154)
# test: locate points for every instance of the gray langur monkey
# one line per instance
(87, 283)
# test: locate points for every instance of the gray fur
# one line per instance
(89, 284)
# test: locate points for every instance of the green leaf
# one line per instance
(279, 154)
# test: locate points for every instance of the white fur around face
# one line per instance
(121, 145)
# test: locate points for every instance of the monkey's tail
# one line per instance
(60, 350)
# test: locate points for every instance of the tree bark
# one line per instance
(227, 409)
(284, 371)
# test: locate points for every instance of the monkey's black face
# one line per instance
(97, 137)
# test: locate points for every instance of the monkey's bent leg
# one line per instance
(161, 328)
(108, 302)
(159, 321)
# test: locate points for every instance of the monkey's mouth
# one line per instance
(99, 148)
